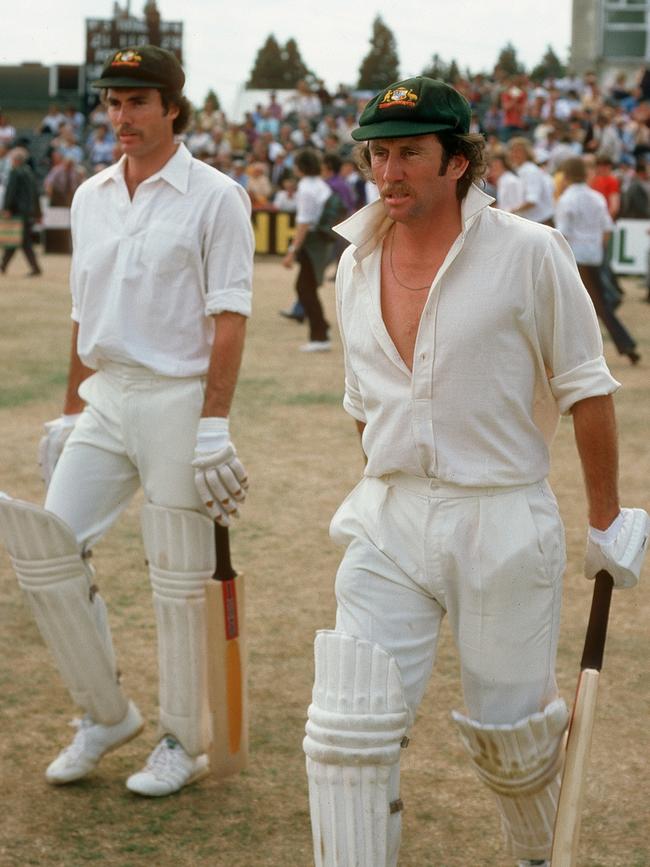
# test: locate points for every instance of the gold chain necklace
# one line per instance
(392, 270)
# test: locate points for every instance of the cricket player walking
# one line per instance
(467, 332)
(161, 291)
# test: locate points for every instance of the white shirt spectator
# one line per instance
(537, 192)
(581, 215)
(148, 272)
(510, 192)
(311, 196)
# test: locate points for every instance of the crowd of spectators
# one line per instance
(531, 129)
(561, 118)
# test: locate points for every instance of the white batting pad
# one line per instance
(69, 612)
(180, 549)
(521, 764)
(357, 720)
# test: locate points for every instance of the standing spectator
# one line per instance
(582, 217)
(21, 200)
(311, 248)
(605, 182)
(510, 191)
(635, 202)
(513, 106)
(538, 198)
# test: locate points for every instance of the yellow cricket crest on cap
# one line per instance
(127, 58)
(398, 96)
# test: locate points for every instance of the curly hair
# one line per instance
(471, 146)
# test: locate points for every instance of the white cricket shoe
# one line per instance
(92, 741)
(168, 769)
(316, 346)
(526, 863)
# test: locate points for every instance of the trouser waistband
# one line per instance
(429, 487)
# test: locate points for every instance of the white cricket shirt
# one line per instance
(311, 194)
(148, 272)
(507, 340)
(581, 215)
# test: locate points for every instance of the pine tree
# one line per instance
(550, 66)
(294, 66)
(508, 62)
(213, 98)
(381, 65)
(453, 74)
(269, 67)
(437, 68)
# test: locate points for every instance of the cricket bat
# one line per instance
(226, 669)
(567, 822)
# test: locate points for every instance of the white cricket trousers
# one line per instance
(490, 558)
(137, 428)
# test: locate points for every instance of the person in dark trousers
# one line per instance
(21, 200)
(311, 246)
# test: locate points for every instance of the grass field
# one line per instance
(303, 456)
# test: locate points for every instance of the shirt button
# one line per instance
(423, 356)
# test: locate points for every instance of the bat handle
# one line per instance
(224, 570)
(594, 649)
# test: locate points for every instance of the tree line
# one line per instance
(279, 66)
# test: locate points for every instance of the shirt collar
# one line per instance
(176, 170)
(366, 227)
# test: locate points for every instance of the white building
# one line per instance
(610, 36)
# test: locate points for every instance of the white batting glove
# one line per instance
(219, 476)
(51, 444)
(620, 549)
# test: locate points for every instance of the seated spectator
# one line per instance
(285, 198)
(7, 131)
(237, 139)
(331, 174)
(67, 144)
(240, 173)
(210, 117)
(259, 186)
(52, 121)
(100, 146)
(62, 180)
(75, 119)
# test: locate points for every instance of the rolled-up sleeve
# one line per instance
(229, 255)
(568, 330)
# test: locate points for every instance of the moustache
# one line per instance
(127, 130)
(395, 190)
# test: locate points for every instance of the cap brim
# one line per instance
(397, 129)
(126, 82)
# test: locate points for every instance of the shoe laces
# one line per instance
(78, 745)
(168, 753)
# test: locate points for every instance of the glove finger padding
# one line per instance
(212, 504)
(623, 556)
(214, 481)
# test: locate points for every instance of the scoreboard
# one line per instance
(106, 35)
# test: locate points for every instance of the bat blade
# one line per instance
(569, 811)
(566, 836)
(226, 669)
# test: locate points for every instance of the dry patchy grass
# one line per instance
(303, 456)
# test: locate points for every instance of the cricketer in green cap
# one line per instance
(415, 106)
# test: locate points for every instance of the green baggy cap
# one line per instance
(142, 66)
(416, 106)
